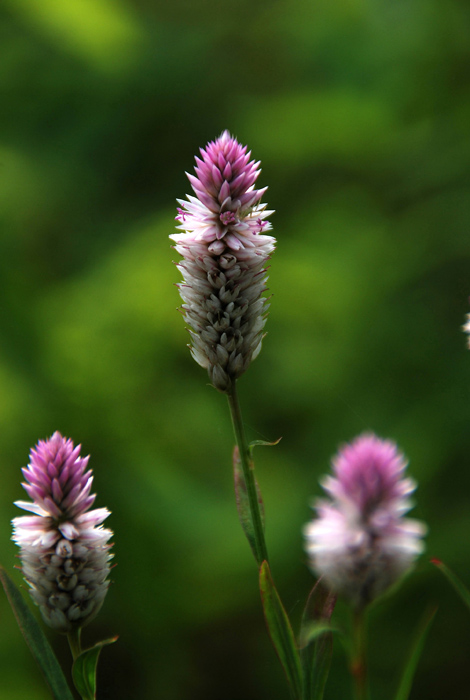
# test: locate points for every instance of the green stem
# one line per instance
(75, 645)
(261, 552)
(358, 661)
(75, 642)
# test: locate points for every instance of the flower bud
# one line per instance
(64, 549)
(224, 248)
(360, 542)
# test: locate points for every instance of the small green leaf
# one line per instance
(460, 587)
(36, 640)
(313, 630)
(316, 640)
(280, 631)
(406, 682)
(262, 443)
(84, 669)
(243, 503)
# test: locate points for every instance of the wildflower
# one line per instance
(224, 248)
(64, 549)
(360, 542)
(466, 329)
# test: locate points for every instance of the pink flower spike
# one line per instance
(64, 528)
(360, 542)
(223, 221)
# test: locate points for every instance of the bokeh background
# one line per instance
(360, 113)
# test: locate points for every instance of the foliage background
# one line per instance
(360, 113)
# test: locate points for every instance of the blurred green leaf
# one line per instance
(368, 129)
(406, 682)
(455, 582)
(280, 631)
(312, 631)
(316, 641)
(99, 31)
(36, 640)
(84, 669)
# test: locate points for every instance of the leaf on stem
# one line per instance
(262, 443)
(458, 585)
(243, 503)
(36, 640)
(316, 641)
(84, 669)
(280, 631)
(414, 655)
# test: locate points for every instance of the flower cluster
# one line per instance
(466, 329)
(225, 249)
(360, 542)
(64, 549)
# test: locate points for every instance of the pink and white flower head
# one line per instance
(360, 542)
(225, 250)
(64, 549)
(466, 329)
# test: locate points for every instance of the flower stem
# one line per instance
(261, 552)
(358, 661)
(75, 642)
(75, 645)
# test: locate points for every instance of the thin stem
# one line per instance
(75, 642)
(358, 661)
(261, 552)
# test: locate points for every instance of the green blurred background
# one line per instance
(360, 113)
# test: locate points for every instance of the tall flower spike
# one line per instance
(225, 249)
(360, 542)
(64, 549)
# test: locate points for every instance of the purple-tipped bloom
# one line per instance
(360, 541)
(64, 549)
(225, 249)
